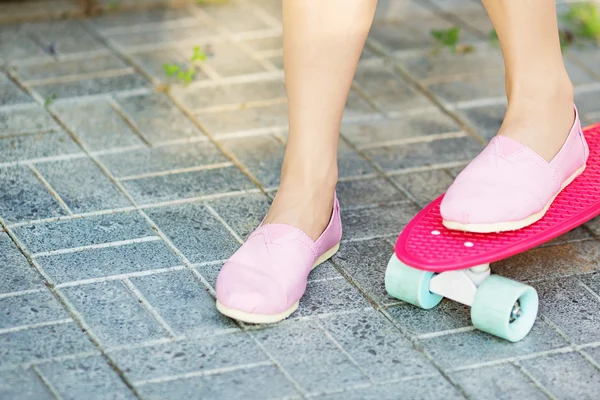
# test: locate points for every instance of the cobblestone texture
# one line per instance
(120, 200)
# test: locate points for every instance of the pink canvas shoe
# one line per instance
(509, 186)
(265, 279)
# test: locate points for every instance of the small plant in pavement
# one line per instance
(449, 39)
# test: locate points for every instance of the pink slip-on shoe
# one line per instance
(509, 186)
(264, 280)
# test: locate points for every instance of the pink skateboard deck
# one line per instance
(425, 244)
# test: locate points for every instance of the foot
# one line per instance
(542, 123)
(511, 185)
(265, 279)
(306, 207)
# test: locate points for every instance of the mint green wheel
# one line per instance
(504, 308)
(409, 284)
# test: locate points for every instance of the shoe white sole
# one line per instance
(512, 225)
(252, 318)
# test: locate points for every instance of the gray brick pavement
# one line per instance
(123, 192)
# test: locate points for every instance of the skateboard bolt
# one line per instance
(516, 312)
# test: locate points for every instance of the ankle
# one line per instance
(535, 92)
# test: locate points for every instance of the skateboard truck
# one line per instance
(499, 306)
(460, 285)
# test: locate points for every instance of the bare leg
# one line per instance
(540, 93)
(322, 42)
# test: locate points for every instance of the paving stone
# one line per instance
(228, 60)
(350, 163)
(558, 372)
(425, 186)
(579, 75)
(10, 94)
(468, 348)
(588, 102)
(17, 45)
(485, 120)
(198, 32)
(55, 69)
(586, 55)
(24, 197)
(475, 19)
(22, 384)
(405, 25)
(325, 271)
(356, 107)
(328, 297)
(594, 353)
(254, 383)
(153, 63)
(112, 314)
(272, 7)
(503, 381)
(571, 307)
(387, 90)
(16, 273)
(27, 147)
(161, 159)
(82, 185)
(262, 155)
(483, 60)
(91, 86)
(310, 357)
(592, 281)
(157, 118)
(272, 117)
(187, 185)
(182, 357)
(365, 262)
(437, 21)
(377, 221)
(38, 10)
(231, 94)
(26, 120)
(367, 134)
(416, 321)
(83, 232)
(195, 232)
(377, 346)
(470, 90)
(274, 43)
(418, 389)
(108, 261)
(551, 262)
(183, 303)
(154, 19)
(277, 61)
(97, 125)
(236, 17)
(41, 343)
(63, 37)
(367, 192)
(423, 154)
(242, 213)
(76, 379)
(30, 308)
(396, 36)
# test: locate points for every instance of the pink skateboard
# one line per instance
(432, 262)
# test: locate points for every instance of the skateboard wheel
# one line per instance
(409, 284)
(504, 308)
